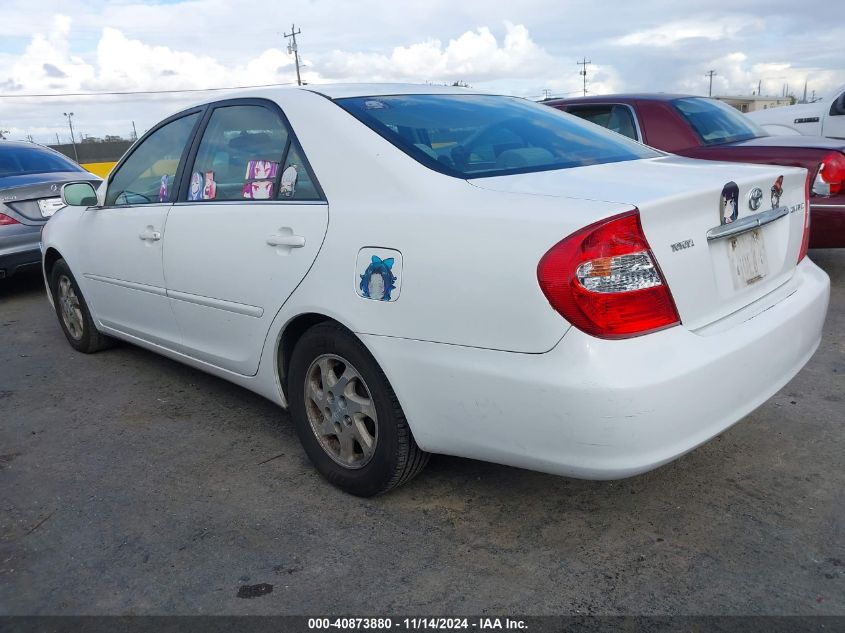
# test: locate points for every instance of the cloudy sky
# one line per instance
(516, 47)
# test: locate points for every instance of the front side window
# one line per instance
(616, 118)
(16, 161)
(470, 136)
(148, 174)
(715, 122)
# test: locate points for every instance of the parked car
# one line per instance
(699, 127)
(30, 178)
(822, 118)
(417, 269)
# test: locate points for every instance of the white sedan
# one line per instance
(417, 269)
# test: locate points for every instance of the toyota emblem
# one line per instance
(755, 198)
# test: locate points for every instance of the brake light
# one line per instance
(830, 178)
(605, 281)
(5, 220)
(805, 237)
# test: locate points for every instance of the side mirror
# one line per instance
(79, 194)
(838, 106)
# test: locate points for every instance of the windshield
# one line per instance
(716, 122)
(17, 160)
(470, 136)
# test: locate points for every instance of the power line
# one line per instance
(138, 92)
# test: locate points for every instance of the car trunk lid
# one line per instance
(21, 193)
(713, 267)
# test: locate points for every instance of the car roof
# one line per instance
(630, 96)
(340, 91)
(22, 144)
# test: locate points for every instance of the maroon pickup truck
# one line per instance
(699, 127)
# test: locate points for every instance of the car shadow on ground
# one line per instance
(27, 281)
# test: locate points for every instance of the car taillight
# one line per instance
(830, 178)
(805, 237)
(605, 281)
(5, 220)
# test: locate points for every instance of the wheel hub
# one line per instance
(341, 411)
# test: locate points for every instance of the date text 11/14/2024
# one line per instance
(417, 624)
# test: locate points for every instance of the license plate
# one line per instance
(49, 206)
(748, 258)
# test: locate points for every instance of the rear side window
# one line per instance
(716, 122)
(15, 161)
(247, 153)
(470, 136)
(147, 175)
(616, 118)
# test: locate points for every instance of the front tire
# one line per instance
(72, 311)
(346, 415)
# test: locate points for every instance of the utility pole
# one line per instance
(710, 74)
(134, 132)
(292, 48)
(58, 142)
(804, 100)
(69, 116)
(583, 72)
(759, 87)
(547, 94)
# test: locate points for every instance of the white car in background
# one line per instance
(821, 118)
(417, 269)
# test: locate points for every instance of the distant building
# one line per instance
(754, 103)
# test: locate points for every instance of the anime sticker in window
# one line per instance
(288, 185)
(260, 179)
(203, 186)
(162, 190)
(378, 274)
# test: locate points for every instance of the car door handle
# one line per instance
(291, 241)
(150, 235)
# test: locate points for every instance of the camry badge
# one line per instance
(755, 198)
(54, 187)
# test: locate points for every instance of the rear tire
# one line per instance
(72, 311)
(347, 416)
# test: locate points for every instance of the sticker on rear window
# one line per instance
(258, 190)
(261, 169)
(195, 190)
(288, 184)
(373, 104)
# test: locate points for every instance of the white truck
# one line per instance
(822, 118)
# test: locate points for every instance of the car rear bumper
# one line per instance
(601, 409)
(19, 247)
(827, 222)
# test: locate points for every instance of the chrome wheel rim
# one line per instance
(70, 309)
(341, 411)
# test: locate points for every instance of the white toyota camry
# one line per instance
(417, 269)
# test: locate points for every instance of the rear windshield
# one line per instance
(471, 136)
(716, 122)
(18, 160)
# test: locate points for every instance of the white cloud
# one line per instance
(474, 55)
(703, 27)
(520, 48)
